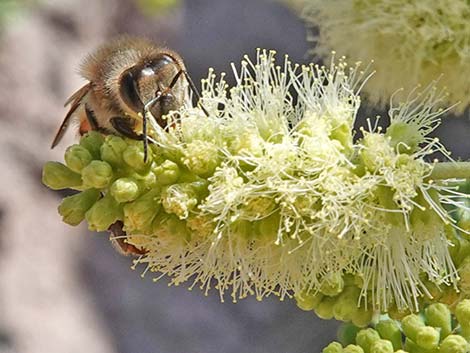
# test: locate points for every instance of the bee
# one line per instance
(127, 77)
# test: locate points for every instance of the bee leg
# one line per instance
(118, 236)
(195, 91)
(125, 126)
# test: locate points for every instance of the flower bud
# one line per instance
(167, 173)
(454, 344)
(438, 315)
(92, 141)
(366, 338)
(381, 346)
(139, 214)
(333, 347)
(308, 300)
(352, 348)
(103, 213)
(427, 337)
(97, 174)
(324, 310)
(125, 190)
(411, 325)
(462, 314)
(390, 330)
(112, 150)
(133, 155)
(346, 303)
(57, 176)
(332, 284)
(201, 158)
(73, 208)
(347, 333)
(77, 157)
(362, 317)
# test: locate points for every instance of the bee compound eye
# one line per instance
(129, 91)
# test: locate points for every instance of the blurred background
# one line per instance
(64, 289)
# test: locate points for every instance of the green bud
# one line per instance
(366, 338)
(332, 284)
(103, 213)
(352, 348)
(167, 173)
(412, 347)
(390, 330)
(324, 310)
(201, 158)
(381, 346)
(411, 325)
(125, 190)
(92, 141)
(113, 149)
(139, 214)
(308, 300)
(133, 155)
(77, 157)
(146, 181)
(438, 315)
(347, 333)
(347, 303)
(454, 344)
(73, 208)
(427, 337)
(333, 347)
(464, 219)
(57, 176)
(362, 317)
(97, 174)
(462, 314)
(179, 199)
(405, 136)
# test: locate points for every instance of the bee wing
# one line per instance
(75, 100)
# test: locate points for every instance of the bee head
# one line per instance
(141, 83)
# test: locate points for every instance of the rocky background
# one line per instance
(64, 289)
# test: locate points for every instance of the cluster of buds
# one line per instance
(265, 196)
(436, 329)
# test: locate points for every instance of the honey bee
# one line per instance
(127, 77)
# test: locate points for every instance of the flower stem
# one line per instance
(451, 170)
